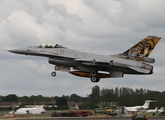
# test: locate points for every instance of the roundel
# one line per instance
(62, 51)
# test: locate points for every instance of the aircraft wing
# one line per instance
(99, 65)
(95, 62)
(91, 61)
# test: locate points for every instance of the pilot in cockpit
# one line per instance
(46, 45)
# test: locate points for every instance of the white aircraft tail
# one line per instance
(156, 109)
(161, 109)
(147, 103)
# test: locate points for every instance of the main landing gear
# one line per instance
(94, 78)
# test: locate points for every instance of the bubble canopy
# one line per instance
(48, 45)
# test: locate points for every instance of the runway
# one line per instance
(89, 118)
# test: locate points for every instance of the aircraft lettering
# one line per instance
(56, 52)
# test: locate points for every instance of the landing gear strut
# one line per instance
(54, 72)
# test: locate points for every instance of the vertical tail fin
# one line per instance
(156, 109)
(146, 104)
(142, 49)
(161, 109)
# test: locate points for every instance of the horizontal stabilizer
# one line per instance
(140, 70)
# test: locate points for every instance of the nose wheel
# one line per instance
(53, 74)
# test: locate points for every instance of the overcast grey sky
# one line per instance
(94, 26)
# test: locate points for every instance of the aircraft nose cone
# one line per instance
(18, 51)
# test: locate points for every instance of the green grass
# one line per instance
(48, 114)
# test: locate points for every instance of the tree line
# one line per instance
(126, 96)
(122, 96)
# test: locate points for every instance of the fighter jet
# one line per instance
(133, 61)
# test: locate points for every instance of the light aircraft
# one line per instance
(138, 108)
(133, 61)
(152, 110)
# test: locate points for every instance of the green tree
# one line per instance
(61, 102)
(75, 98)
(1, 98)
(11, 98)
(95, 95)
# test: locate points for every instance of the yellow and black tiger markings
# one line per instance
(88, 74)
(142, 49)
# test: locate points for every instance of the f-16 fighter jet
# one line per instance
(133, 61)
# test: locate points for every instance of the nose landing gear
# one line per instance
(54, 72)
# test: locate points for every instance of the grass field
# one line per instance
(48, 114)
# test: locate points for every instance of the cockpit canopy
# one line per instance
(47, 45)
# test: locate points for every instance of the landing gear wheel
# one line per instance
(93, 79)
(98, 79)
(53, 74)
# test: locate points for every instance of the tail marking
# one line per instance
(142, 49)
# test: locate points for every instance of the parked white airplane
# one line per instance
(152, 110)
(137, 108)
(161, 109)
(33, 110)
